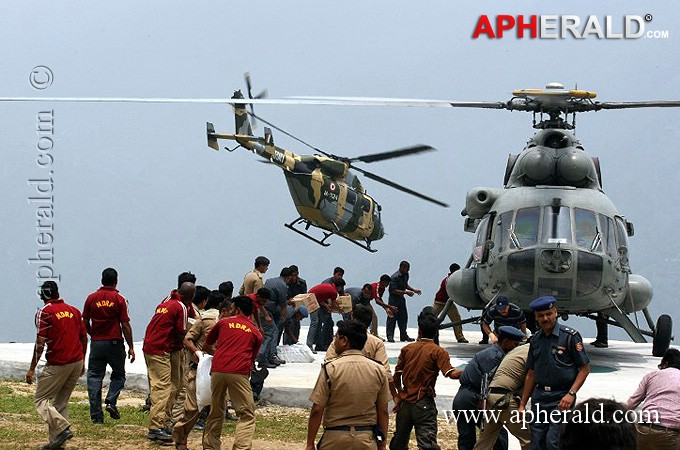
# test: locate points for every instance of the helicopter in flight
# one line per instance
(551, 230)
(325, 191)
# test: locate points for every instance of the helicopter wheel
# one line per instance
(662, 335)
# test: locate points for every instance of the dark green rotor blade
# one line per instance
(392, 154)
(399, 187)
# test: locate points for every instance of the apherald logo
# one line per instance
(565, 26)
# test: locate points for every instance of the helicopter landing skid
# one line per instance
(326, 234)
(300, 220)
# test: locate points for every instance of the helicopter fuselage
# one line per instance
(325, 192)
(551, 231)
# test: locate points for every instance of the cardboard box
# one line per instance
(344, 303)
(309, 300)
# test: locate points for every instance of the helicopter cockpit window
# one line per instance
(524, 232)
(351, 197)
(586, 232)
(608, 235)
(621, 235)
(556, 225)
(501, 236)
(365, 204)
(481, 239)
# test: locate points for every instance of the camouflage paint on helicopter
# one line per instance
(326, 193)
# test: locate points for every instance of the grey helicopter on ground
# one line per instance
(551, 230)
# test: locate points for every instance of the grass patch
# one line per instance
(21, 427)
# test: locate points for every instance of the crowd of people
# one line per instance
(355, 384)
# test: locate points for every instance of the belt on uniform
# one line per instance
(351, 428)
(499, 390)
(541, 387)
(660, 427)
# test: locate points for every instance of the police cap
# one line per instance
(543, 303)
(508, 332)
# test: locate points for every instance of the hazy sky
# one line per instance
(136, 187)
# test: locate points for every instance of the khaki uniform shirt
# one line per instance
(512, 371)
(357, 386)
(374, 349)
(420, 363)
(251, 283)
(201, 327)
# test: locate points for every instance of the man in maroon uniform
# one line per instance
(237, 342)
(61, 328)
(440, 299)
(106, 319)
(163, 343)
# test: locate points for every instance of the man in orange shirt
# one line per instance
(415, 376)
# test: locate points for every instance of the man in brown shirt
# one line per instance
(351, 395)
(415, 376)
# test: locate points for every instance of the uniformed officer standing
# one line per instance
(505, 391)
(374, 347)
(351, 395)
(468, 396)
(557, 367)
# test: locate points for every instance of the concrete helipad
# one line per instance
(615, 371)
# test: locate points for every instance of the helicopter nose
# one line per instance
(556, 260)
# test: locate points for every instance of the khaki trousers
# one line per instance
(347, 440)
(487, 438)
(55, 385)
(242, 399)
(178, 406)
(165, 380)
(190, 415)
(454, 316)
(374, 321)
(649, 438)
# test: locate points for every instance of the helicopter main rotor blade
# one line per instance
(399, 187)
(339, 101)
(646, 104)
(392, 154)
